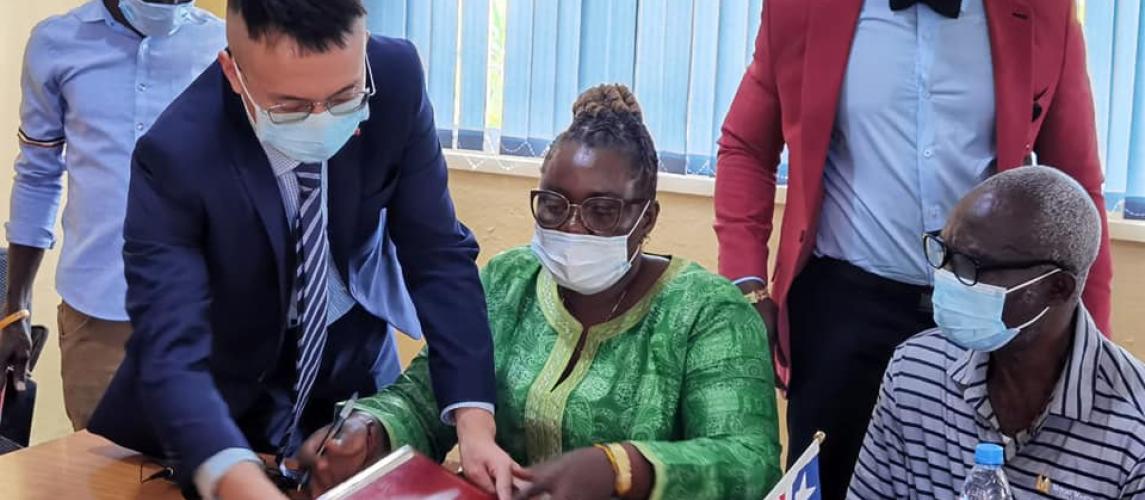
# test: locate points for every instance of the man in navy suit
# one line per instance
(265, 207)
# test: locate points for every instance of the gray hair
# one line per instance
(1065, 223)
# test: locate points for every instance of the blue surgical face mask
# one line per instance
(155, 19)
(971, 316)
(313, 140)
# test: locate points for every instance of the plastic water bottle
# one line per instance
(987, 481)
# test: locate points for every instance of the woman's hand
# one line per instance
(482, 460)
(580, 474)
(360, 443)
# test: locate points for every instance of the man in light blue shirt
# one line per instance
(94, 80)
(913, 133)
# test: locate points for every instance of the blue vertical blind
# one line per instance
(683, 59)
(503, 74)
(1115, 49)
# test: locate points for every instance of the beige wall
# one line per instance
(492, 205)
(495, 208)
(14, 28)
(1129, 296)
(216, 6)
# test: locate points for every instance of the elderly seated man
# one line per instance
(1015, 360)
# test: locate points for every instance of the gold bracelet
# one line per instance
(757, 296)
(20, 315)
(618, 457)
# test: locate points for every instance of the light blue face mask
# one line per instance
(155, 19)
(971, 316)
(313, 140)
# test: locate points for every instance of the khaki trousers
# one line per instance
(91, 350)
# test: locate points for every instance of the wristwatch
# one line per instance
(757, 296)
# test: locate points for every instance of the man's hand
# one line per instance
(482, 460)
(16, 339)
(581, 474)
(247, 481)
(15, 351)
(360, 443)
(768, 309)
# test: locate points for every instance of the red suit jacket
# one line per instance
(789, 96)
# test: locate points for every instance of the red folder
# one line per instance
(406, 475)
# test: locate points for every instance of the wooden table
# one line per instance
(79, 466)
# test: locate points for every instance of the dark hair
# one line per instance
(608, 116)
(315, 25)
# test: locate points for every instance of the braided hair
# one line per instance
(608, 116)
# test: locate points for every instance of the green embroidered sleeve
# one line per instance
(730, 447)
(408, 411)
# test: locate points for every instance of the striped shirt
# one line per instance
(933, 410)
(340, 300)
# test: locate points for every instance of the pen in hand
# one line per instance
(331, 433)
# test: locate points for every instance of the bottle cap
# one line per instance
(989, 454)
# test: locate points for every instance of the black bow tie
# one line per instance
(948, 8)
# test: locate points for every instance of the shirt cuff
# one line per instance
(746, 279)
(447, 413)
(210, 472)
(29, 235)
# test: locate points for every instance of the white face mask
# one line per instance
(584, 263)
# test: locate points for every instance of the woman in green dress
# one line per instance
(619, 373)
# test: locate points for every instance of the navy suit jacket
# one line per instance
(209, 260)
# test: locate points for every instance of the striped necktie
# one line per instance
(310, 281)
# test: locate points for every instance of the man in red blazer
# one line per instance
(891, 111)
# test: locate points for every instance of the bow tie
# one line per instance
(948, 8)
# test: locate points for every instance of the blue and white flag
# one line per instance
(802, 480)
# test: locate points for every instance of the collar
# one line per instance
(1073, 395)
(94, 11)
(569, 328)
(941, 7)
(280, 164)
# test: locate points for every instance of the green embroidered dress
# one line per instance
(685, 375)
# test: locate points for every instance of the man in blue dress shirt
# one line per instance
(94, 81)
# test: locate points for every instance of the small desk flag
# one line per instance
(802, 480)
